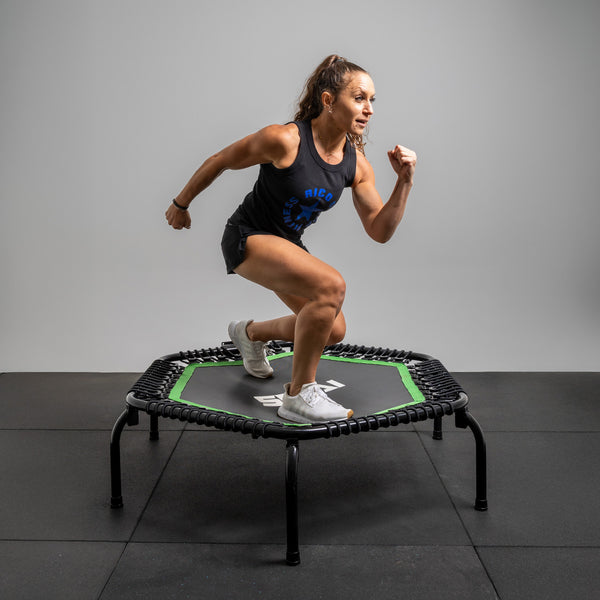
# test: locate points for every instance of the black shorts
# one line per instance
(233, 243)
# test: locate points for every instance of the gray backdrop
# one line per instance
(107, 108)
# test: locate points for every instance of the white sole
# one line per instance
(288, 415)
(258, 376)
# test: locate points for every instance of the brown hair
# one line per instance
(328, 76)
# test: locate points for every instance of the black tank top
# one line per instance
(285, 202)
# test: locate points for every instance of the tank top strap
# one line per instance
(305, 131)
(346, 167)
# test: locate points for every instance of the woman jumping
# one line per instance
(304, 167)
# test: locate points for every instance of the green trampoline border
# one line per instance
(175, 395)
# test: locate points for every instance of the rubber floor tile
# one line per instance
(56, 484)
(542, 487)
(544, 573)
(377, 487)
(67, 400)
(52, 570)
(215, 572)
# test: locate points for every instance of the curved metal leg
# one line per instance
(291, 494)
(154, 427)
(129, 416)
(437, 428)
(465, 419)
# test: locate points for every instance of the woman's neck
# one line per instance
(329, 140)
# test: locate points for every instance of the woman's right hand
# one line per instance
(177, 218)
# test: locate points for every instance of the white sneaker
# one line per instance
(311, 405)
(253, 353)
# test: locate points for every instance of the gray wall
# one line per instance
(108, 107)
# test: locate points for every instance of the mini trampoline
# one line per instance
(385, 388)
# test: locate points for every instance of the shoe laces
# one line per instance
(314, 393)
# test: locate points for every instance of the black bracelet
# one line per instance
(179, 206)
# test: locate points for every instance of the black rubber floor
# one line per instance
(386, 514)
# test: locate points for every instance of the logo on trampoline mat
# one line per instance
(275, 400)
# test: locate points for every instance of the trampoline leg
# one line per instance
(437, 428)
(291, 496)
(130, 417)
(154, 427)
(464, 419)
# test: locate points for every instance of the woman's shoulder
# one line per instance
(282, 141)
(364, 170)
(285, 136)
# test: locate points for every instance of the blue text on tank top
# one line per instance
(298, 215)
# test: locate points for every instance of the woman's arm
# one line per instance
(381, 220)
(273, 144)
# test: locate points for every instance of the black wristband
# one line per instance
(179, 206)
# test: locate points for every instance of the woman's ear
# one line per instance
(327, 99)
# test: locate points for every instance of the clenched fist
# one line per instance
(178, 218)
(403, 161)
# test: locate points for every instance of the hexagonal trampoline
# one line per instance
(210, 387)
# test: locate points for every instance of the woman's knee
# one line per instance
(332, 288)
(338, 331)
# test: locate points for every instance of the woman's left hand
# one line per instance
(403, 161)
(177, 218)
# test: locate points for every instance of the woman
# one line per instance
(304, 167)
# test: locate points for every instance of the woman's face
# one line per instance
(353, 106)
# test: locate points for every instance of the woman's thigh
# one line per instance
(288, 270)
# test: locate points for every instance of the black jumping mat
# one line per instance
(365, 386)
